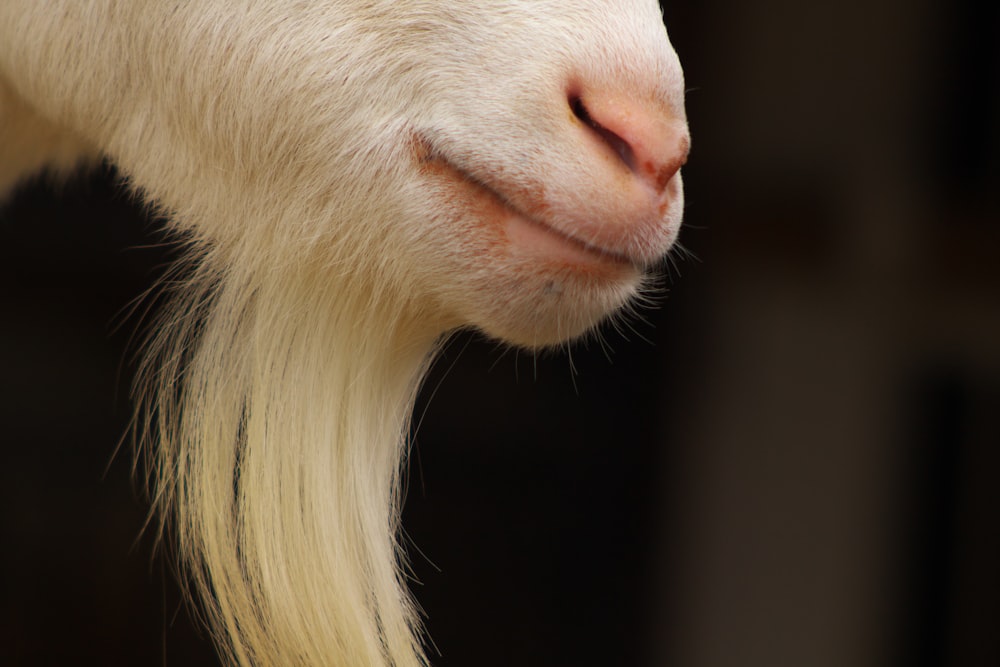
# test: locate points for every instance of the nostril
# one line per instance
(649, 136)
(621, 147)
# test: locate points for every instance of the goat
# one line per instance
(352, 180)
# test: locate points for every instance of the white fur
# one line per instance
(329, 163)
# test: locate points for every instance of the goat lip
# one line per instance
(537, 238)
(532, 236)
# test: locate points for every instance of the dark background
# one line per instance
(792, 461)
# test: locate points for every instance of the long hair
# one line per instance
(275, 416)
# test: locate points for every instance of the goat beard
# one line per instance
(274, 416)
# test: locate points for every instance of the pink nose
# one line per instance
(651, 142)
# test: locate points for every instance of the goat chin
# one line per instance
(352, 180)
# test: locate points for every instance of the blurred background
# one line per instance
(792, 461)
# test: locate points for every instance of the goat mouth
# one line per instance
(533, 237)
(527, 234)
